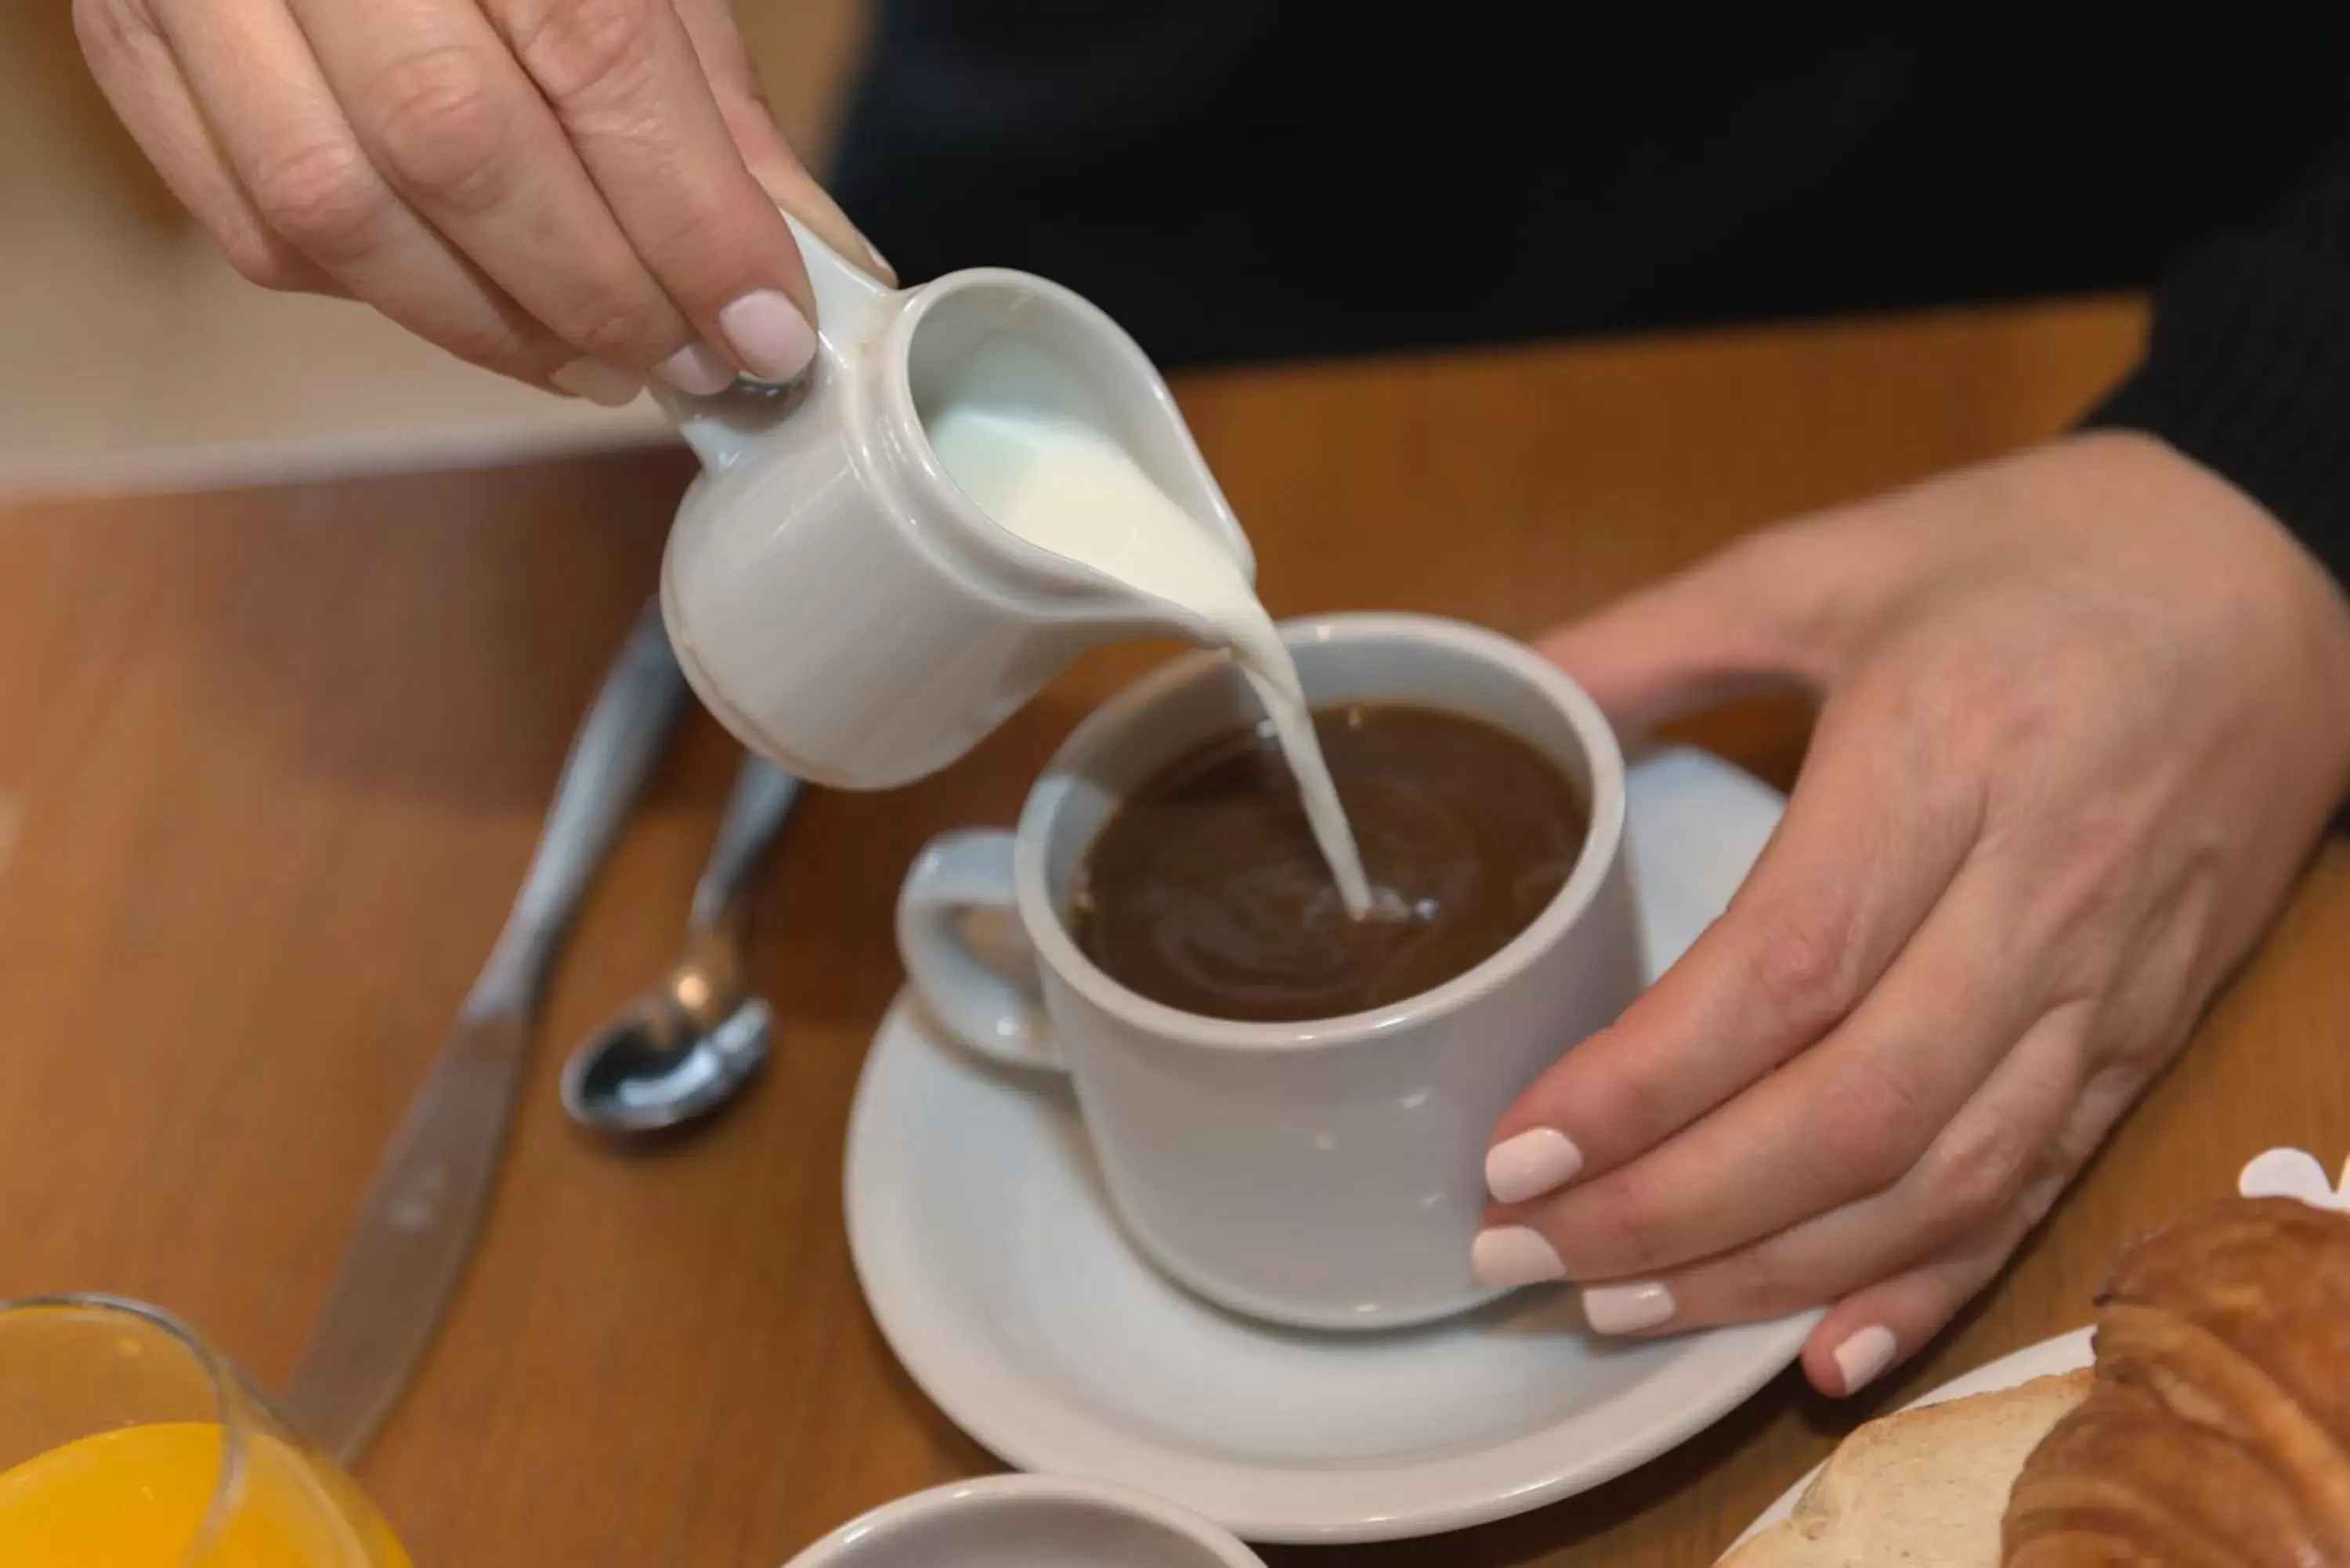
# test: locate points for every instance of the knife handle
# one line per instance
(619, 745)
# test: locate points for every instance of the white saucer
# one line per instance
(2065, 1352)
(988, 1253)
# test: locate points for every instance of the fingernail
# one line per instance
(698, 369)
(1508, 1256)
(770, 336)
(598, 383)
(1864, 1353)
(1626, 1309)
(1531, 1164)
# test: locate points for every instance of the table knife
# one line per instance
(417, 1230)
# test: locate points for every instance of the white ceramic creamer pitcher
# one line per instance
(835, 597)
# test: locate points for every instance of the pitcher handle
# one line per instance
(848, 299)
(988, 1011)
(849, 302)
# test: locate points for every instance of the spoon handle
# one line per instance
(763, 799)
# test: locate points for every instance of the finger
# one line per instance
(1846, 1119)
(743, 102)
(1727, 627)
(253, 76)
(1879, 1327)
(628, 89)
(1990, 1157)
(1874, 1330)
(456, 129)
(1871, 839)
(135, 71)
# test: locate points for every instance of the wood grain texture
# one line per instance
(271, 765)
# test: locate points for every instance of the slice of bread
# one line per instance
(1925, 1487)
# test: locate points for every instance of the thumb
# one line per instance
(1714, 633)
(735, 83)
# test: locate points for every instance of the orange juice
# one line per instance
(139, 1497)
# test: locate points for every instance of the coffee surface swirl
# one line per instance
(1206, 892)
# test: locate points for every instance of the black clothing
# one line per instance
(1256, 179)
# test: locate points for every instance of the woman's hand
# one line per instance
(577, 193)
(2084, 712)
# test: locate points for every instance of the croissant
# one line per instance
(2217, 1431)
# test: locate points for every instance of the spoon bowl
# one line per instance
(685, 1048)
(644, 1072)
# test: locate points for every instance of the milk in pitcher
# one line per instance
(1050, 476)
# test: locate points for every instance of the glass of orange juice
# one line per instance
(126, 1443)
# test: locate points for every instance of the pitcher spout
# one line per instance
(1016, 358)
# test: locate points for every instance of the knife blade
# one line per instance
(417, 1229)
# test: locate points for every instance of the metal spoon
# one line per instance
(684, 1048)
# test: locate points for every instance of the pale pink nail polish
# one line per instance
(1627, 1309)
(1864, 1353)
(598, 383)
(1531, 1164)
(698, 369)
(769, 335)
(1507, 1256)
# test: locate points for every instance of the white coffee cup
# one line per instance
(1326, 1174)
(1028, 1522)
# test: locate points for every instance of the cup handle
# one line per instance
(986, 1008)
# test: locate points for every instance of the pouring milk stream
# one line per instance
(982, 477)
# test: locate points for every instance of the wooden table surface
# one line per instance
(271, 763)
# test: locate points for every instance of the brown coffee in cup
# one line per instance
(1205, 890)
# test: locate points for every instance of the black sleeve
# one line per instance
(2247, 368)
